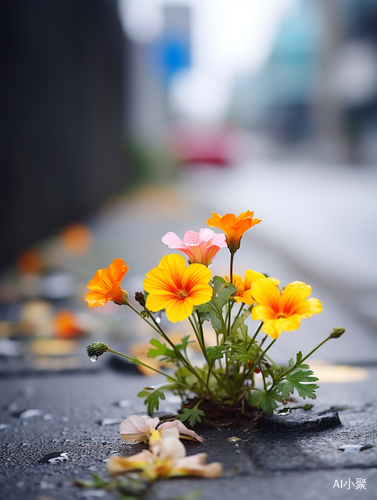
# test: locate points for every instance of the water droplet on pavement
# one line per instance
(54, 458)
(124, 403)
(233, 439)
(109, 421)
(30, 413)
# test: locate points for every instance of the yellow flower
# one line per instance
(233, 226)
(105, 285)
(177, 288)
(243, 293)
(238, 282)
(282, 311)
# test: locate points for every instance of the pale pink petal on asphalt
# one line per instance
(169, 448)
(195, 466)
(182, 429)
(137, 427)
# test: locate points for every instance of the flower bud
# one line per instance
(96, 349)
(337, 332)
(139, 297)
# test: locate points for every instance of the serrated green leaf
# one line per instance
(239, 323)
(215, 352)
(153, 400)
(143, 393)
(161, 350)
(193, 415)
(242, 357)
(204, 308)
(222, 291)
(266, 400)
(184, 343)
(291, 363)
(302, 376)
(298, 380)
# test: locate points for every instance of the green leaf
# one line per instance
(144, 314)
(184, 343)
(153, 400)
(298, 380)
(161, 350)
(216, 352)
(242, 357)
(95, 482)
(194, 415)
(222, 291)
(239, 323)
(266, 400)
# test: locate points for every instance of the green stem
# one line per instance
(202, 335)
(231, 266)
(255, 336)
(230, 307)
(181, 358)
(306, 357)
(255, 364)
(138, 362)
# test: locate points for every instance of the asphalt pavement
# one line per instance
(73, 407)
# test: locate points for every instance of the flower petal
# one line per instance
(181, 428)
(117, 270)
(95, 299)
(117, 465)
(169, 448)
(137, 427)
(195, 466)
(172, 240)
(266, 293)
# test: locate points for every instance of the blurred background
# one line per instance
(123, 120)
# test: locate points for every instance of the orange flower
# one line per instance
(282, 311)
(233, 226)
(243, 286)
(105, 285)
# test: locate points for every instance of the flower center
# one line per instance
(281, 315)
(182, 294)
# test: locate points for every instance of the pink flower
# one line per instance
(200, 248)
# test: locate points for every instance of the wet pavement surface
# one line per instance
(59, 412)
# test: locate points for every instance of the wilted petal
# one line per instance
(195, 466)
(182, 429)
(137, 427)
(117, 465)
(169, 448)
